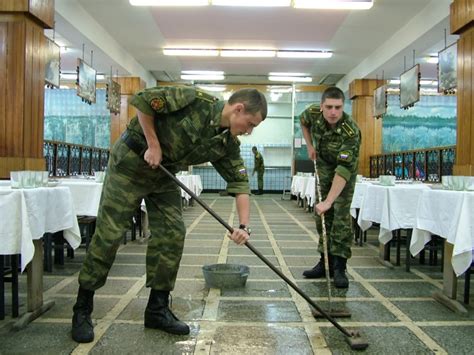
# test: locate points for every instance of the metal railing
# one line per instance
(66, 159)
(423, 165)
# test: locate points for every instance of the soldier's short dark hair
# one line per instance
(253, 100)
(254, 148)
(332, 92)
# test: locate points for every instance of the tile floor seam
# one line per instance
(398, 313)
(313, 236)
(105, 322)
(318, 343)
(211, 306)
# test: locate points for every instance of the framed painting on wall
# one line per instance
(410, 87)
(380, 101)
(52, 64)
(86, 81)
(113, 96)
(447, 69)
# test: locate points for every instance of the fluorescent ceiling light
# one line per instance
(305, 79)
(169, 2)
(68, 76)
(429, 82)
(212, 88)
(202, 72)
(432, 60)
(191, 52)
(304, 54)
(202, 77)
(334, 4)
(269, 3)
(286, 74)
(394, 82)
(247, 53)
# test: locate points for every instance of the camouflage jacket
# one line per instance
(258, 162)
(187, 124)
(337, 148)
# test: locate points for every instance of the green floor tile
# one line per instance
(319, 289)
(405, 289)
(277, 340)
(127, 270)
(259, 289)
(361, 311)
(250, 260)
(384, 273)
(135, 339)
(453, 339)
(432, 311)
(258, 311)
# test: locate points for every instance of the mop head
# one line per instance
(335, 313)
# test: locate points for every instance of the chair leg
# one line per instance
(15, 302)
(2, 288)
(408, 256)
(398, 233)
(467, 285)
(48, 252)
(58, 248)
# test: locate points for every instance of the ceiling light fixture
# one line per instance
(253, 3)
(305, 79)
(202, 77)
(191, 52)
(259, 53)
(304, 54)
(432, 60)
(287, 74)
(213, 88)
(169, 2)
(333, 4)
(202, 72)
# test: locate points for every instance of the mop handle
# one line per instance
(257, 253)
(325, 238)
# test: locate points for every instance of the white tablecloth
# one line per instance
(394, 207)
(193, 182)
(449, 214)
(85, 195)
(299, 184)
(27, 214)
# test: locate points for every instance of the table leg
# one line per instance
(450, 283)
(384, 255)
(34, 301)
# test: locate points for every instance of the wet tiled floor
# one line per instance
(392, 308)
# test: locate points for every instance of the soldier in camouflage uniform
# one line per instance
(259, 167)
(333, 138)
(176, 127)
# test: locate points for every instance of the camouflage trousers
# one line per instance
(260, 179)
(338, 222)
(127, 182)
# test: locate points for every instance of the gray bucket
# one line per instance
(225, 275)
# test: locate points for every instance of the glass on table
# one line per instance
(15, 179)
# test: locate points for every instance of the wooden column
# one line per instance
(361, 92)
(462, 23)
(22, 61)
(128, 87)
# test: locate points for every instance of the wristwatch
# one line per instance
(245, 228)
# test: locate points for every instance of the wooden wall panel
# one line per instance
(13, 5)
(461, 15)
(3, 86)
(43, 10)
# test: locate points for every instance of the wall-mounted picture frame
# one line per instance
(86, 84)
(380, 101)
(113, 96)
(447, 69)
(52, 64)
(410, 87)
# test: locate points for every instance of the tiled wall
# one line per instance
(275, 178)
(68, 119)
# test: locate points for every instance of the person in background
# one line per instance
(259, 167)
(333, 140)
(174, 127)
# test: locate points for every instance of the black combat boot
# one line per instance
(159, 316)
(320, 270)
(82, 328)
(340, 277)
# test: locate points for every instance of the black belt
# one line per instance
(138, 147)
